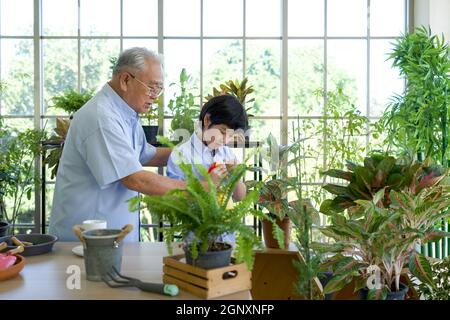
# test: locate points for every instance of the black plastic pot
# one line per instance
(150, 133)
(396, 295)
(4, 226)
(210, 259)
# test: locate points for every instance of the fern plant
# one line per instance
(71, 100)
(205, 213)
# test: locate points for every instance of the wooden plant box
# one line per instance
(206, 284)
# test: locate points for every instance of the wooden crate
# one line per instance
(207, 284)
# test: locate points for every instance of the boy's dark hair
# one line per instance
(227, 110)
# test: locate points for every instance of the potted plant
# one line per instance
(151, 129)
(380, 234)
(305, 219)
(70, 101)
(182, 106)
(417, 119)
(18, 150)
(201, 216)
(273, 194)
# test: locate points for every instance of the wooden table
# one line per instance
(46, 276)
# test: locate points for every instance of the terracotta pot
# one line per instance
(12, 271)
(269, 240)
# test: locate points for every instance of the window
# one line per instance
(329, 43)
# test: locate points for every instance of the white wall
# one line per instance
(435, 13)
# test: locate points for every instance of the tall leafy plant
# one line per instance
(417, 119)
(332, 140)
(18, 150)
(304, 217)
(183, 107)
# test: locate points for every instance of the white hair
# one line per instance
(135, 58)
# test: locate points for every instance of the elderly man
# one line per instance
(102, 162)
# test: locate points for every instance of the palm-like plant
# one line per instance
(238, 89)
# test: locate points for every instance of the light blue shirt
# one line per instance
(105, 143)
(194, 151)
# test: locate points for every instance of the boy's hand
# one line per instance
(231, 165)
(218, 173)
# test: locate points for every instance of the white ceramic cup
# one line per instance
(93, 224)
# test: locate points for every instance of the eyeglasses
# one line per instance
(152, 91)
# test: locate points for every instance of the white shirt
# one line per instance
(196, 152)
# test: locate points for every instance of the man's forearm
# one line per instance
(160, 158)
(151, 183)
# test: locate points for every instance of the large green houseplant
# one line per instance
(369, 249)
(417, 119)
(383, 231)
(18, 179)
(205, 214)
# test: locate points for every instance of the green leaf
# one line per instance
(340, 174)
(420, 267)
(378, 196)
(337, 283)
(337, 190)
